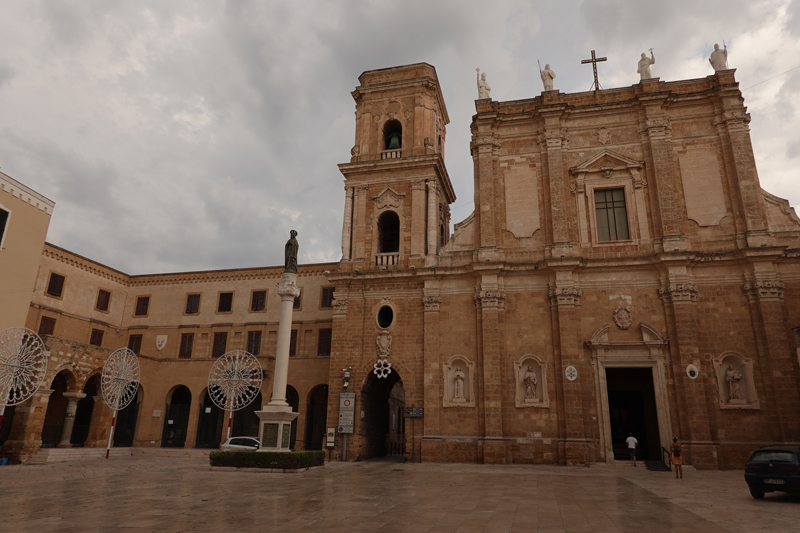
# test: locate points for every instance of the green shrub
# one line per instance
(280, 460)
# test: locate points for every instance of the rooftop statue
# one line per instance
(644, 65)
(719, 58)
(483, 87)
(547, 77)
(290, 258)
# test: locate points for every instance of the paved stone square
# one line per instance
(179, 493)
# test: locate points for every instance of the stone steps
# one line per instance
(60, 455)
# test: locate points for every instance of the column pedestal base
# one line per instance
(275, 428)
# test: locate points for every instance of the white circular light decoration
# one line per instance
(571, 372)
(23, 364)
(235, 380)
(382, 368)
(692, 371)
(120, 379)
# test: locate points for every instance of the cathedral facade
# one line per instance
(622, 272)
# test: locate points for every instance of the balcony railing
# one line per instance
(387, 259)
(391, 154)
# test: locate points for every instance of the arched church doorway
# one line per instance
(56, 409)
(383, 430)
(127, 417)
(83, 414)
(316, 414)
(176, 417)
(246, 421)
(209, 424)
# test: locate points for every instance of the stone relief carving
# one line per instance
(679, 292)
(765, 289)
(388, 198)
(603, 136)
(458, 375)
(339, 307)
(355, 150)
(487, 299)
(566, 296)
(384, 344)
(530, 373)
(428, 142)
(735, 381)
(431, 303)
(623, 317)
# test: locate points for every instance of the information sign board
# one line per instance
(330, 437)
(347, 412)
(413, 412)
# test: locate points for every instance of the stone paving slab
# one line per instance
(180, 494)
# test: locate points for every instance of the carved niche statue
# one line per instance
(733, 377)
(644, 65)
(384, 344)
(458, 385)
(483, 86)
(547, 77)
(719, 58)
(290, 255)
(530, 384)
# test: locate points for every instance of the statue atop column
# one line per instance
(719, 58)
(644, 66)
(290, 259)
(483, 86)
(547, 76)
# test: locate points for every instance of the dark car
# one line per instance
(773, 468)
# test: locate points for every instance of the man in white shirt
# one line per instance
(632, 445)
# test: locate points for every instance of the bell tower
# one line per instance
(397, 191)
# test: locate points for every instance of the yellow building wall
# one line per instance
(21, 249)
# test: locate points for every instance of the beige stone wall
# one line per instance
(20, 248)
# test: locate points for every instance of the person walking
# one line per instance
(677, 460)
(632, 445)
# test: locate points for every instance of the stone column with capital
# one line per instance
(69, 417)
(276, 417)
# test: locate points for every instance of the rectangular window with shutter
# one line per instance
(97, 337)
(47, 326)
(142, 306)
(327, 297)
(55, 286)
(293, 344)
(220, 342)
(259, 301)
(103, 300)
(254, 342)
(612, 217)
(187, 340)
(296, 304)
(135, 343)
(324, 344)
(192, 304)
(225, 302)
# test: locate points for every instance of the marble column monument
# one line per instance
(276, 417)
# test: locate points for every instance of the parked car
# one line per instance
(241, 443)
(771, 469)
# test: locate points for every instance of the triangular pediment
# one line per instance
(388, 197)
(606, 160)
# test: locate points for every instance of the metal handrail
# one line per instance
(668, 462)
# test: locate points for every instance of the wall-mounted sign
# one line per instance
(330, 437)
(692, 371)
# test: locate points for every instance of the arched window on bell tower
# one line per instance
(392, 136)
(388, 233)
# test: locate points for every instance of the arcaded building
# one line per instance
(622, 272)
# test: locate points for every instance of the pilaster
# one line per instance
(490, 300)
(347, 225)
(432, 372)
(554, 141)
(360, 222)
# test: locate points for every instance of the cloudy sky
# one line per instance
(189, 135)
